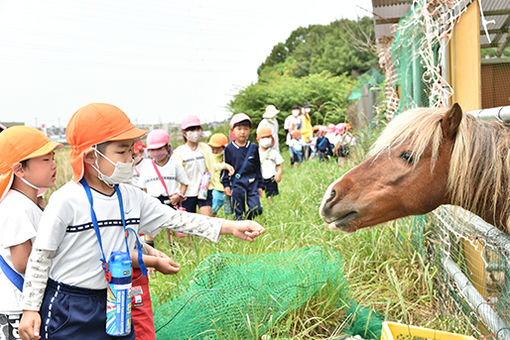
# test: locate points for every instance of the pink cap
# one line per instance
(237, 118)
(157, 138)
(331, 128)
(190, 121)
(340, 128)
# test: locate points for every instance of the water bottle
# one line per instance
(204, 186)
(227, 208)
(118, 300)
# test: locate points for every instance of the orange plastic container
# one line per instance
(397, 331)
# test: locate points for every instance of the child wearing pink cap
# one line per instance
(161, 177)
(198, 162)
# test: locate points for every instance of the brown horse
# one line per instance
(426, 157)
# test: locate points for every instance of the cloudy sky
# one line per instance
(157, 60)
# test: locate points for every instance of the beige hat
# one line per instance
(271, 112)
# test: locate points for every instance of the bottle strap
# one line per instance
(104, 263)
(13, 276)
(160, 177)
(126, 229)
(143, 269)
(245, 161)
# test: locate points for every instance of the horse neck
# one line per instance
(479, 175)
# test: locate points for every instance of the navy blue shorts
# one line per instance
(69, 312)
(190, 203)
(270, 187)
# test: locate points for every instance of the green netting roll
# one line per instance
(241, 296)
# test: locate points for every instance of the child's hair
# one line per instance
(101, 147)
(243, 123)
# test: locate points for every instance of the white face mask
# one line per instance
(265, 142)
(194, 136)
(295, 113)
(123, 172)
(29, 184)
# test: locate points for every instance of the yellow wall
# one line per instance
(464, 61)
(465, 78)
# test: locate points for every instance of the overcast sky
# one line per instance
(156, 60)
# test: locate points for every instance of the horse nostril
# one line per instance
(332, 195)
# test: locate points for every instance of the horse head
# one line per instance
(406, 172)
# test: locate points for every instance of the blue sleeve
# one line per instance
(258, 171)
(224, 177)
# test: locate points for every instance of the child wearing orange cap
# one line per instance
(270, 161)
(87, 220)
(27, 164)
(217, 143)
(245, 186)
(296, 148)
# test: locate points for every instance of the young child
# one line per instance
(161, 177)
(217, 143)
(245, 187)
(296, 148)
(141, 304)
(292, 123)
(271, 162)
(197, 161)
(27, 164)
(138, 157)
(323, 145)
(87, 219)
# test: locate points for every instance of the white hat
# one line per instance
(271, 112)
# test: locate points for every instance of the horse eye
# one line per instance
(406, 156)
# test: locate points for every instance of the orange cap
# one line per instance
(296, 134)
(94, 124)
(264, 131)
(218, 140)
(17, 144)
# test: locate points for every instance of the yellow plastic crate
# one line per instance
(397, 331)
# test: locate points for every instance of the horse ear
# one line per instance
(451, 121)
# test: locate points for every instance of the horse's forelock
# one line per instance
(420, 128)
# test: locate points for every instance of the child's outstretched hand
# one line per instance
(167, 266)
(245, 230)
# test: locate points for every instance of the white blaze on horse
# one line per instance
(426, 157)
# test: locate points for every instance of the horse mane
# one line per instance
(479, 173)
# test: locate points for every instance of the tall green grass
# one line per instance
(383, 269)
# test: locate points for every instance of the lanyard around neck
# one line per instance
(104, 263)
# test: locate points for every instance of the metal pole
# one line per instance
(476, 300)
(501, 114)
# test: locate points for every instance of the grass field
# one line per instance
(382, 268)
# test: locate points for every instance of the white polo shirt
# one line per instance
(172, 173)
(66, 228)
(19, 219)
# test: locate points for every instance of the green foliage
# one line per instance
(313, 65)
(338, 48)
(491, 52)
(327, 94)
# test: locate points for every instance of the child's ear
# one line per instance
(89, 157)
(18, 170)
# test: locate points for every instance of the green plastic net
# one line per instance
(372, 78)
(243, 296)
